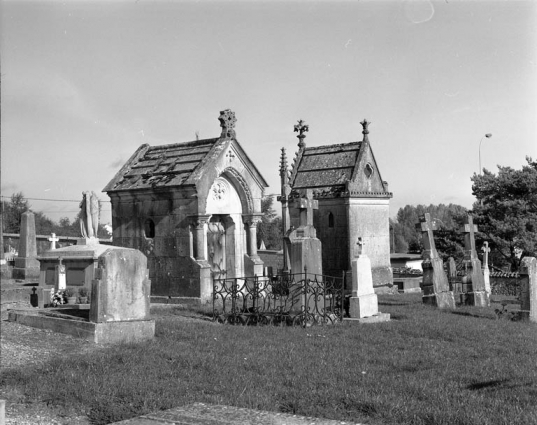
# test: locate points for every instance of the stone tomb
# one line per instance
(120, 294)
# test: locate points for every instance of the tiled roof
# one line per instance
(326, 168)
(162, 166)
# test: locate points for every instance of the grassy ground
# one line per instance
(426, 366)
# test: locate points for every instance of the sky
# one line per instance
(85, 83)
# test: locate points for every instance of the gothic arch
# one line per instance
(245, 194)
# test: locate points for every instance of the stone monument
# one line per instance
(486, 272)
(26, 264)
(478, 295)
(305, 250)
(435, 286)
(528, 288)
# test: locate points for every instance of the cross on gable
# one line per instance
(469, 238)
(53, 239)
(306, 204)
(227, 122)
(485, 248)
(426, 226)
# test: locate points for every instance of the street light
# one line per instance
(488, 136)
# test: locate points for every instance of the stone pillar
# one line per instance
(486, 271)
(251, 221)
(26, 264)
(528, 288)
(364, 302)
(200, 222)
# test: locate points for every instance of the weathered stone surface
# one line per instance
(26, 264)
(528, 288)
(122, 291)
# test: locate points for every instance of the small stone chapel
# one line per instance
(353, 202)
(193, 209)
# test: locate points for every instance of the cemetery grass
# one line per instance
(426, 366)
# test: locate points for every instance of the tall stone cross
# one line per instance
(306, 205)
(485, 248)
(469, 238)
(53, 239)
(426, 226)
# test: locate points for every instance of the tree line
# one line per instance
(13, 209)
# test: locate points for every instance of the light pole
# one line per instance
(488, 136)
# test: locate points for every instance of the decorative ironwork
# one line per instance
(289, 299)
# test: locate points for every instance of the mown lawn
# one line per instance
(426, 366)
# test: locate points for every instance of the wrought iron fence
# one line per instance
(288, 299)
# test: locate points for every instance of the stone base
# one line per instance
(363, 306)
(440, 300)
(29, 273)
(377, 318)
(87, 241)
(478, 299)
(99, 333)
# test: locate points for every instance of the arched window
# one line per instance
(149, 228)
(330, 219)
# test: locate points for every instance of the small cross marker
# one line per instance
(361, 246)
(53, 239)
(485, 248)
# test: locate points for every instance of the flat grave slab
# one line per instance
(208, 414)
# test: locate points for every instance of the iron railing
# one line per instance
(300, 299)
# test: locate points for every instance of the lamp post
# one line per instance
(488, 136)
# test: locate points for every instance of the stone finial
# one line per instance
(365, 130)
(283, 167)
(361, 245)
(301, 128)
(227, 122)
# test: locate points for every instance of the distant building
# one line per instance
(192, 208)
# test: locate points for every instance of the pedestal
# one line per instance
(363, 306)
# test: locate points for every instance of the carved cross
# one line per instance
(361, 246)
(365, 130)
(230, 155)
(426, 226)
(469, 238)
(53, 239)
(306, 204)
(301, 128)
(227, 122)
(485, 248)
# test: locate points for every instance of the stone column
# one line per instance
(26, 264)
(199, 223)
(251, 221)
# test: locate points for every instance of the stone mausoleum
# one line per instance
(193, 209)
(353, 202)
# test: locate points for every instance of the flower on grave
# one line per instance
(57, 298)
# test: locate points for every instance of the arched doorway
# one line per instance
(226, 238)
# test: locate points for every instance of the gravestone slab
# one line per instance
(26, 263)
(435, 285)
(477, 295)
(486, 271)
(528, 288)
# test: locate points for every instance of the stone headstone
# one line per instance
(363, 302)
(528, 288)
(60, 279)
(478, 295)
(486, 271)
(435, 285)
(26, 264)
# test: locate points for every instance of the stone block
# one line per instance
(377, 318)
(363, 306)
(440, 300)
(122, 291)
(478, 299)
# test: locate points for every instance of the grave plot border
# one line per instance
(299, 299)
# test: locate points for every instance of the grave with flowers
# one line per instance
(117, 282)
